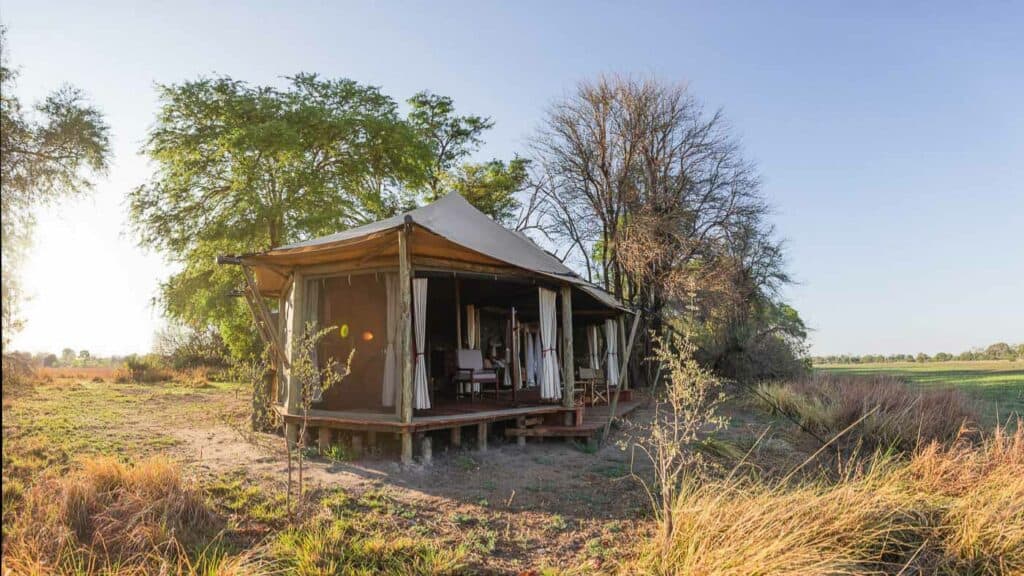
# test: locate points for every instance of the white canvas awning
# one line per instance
(450, 229)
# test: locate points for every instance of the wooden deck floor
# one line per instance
(465, 414)
(452, 415)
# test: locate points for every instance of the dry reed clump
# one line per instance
(947, 510)
(884, 411)
(198, 377)
(979, 490)
(109, 517)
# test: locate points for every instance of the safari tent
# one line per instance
(447, 320)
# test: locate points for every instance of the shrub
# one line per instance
(197, 377)
(144, 370)
(17, 370)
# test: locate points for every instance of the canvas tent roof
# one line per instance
(448, 229)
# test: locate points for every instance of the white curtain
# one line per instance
(536, 358)
(531, 370)
(421, 396)
(611, 337)
(472, 327)
(550, 380)
(389, 386)
(287, 338)
(594, 345)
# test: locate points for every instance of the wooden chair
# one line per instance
(602, 390)
(470, 374)
(584, 385)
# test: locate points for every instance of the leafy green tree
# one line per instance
(245, 168)
(999, 351)
(492, 186)
(67, 356)
(450, 138)
(46, 155)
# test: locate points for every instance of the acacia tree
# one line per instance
(450, 138)
(46, 155)
(491, 186)
(245, 168)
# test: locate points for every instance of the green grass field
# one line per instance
(997, 384)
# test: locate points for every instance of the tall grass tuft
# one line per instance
(111, 518)
(954, 509)
(884, 412)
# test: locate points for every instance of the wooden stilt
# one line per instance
(457, 437)
(521, 424)
(481, 436)
(426, 450)
(323, 441)
(406, 448)
(371, 441)
(357, 444)
(291, 432)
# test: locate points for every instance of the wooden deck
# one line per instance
(452, 415)
(441, 418)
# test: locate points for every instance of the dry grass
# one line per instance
(109, 517)
(948, 510)
(106, 373)
(883, 410)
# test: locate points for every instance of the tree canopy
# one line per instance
(651, 195)
(243, 168)
(47, 153)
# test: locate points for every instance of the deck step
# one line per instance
(551, 432)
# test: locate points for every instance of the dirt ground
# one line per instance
(546, 504)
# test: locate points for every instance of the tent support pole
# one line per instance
(622, 344)
(569, 376)
(405, 342)
(618, 388)
(458, 314)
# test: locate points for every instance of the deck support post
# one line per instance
(323, 440)
(426, 450)
(481, 436)
(291, 433)
(457, 437)
(406, 448)
(357, 444)
(568, 372)
(521, 424)
(371, 441)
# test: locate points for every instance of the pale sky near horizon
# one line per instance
(890, 136)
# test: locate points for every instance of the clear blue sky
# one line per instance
(890, 134)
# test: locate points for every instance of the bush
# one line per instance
(17, 369)
(888, 413)
(143, 370)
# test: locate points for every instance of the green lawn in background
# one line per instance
(998, 384)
